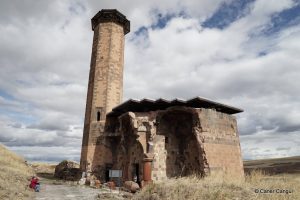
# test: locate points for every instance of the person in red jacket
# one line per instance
(33, 182)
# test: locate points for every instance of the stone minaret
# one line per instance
(105, 85)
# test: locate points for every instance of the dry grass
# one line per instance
(43, 168)
(14, 175)
(219, 187)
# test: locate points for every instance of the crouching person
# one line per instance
(34, 184)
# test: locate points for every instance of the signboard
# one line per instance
(115, 173)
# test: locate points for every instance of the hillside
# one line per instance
(14, 175)
(289, 165)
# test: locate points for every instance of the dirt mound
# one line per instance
(68, 170)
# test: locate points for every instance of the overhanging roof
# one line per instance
(146, 105)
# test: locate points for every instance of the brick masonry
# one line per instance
(105, 86)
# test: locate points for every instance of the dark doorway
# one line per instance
(136, 173)
(107, 168)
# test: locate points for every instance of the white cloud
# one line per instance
(48, 154)
(270, 144)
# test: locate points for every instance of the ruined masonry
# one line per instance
(149, 140)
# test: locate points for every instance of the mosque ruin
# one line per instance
(149, 140)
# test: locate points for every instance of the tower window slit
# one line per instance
(98, 116)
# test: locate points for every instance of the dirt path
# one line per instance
(52, 189)
(61, 192)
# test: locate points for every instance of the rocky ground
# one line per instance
(52, 189)
(57, 183)
(53, 192)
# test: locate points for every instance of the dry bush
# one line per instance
(222, 187)
(14, 176)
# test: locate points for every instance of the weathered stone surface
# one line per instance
(68, 170)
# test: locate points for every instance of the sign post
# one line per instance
(116, 174)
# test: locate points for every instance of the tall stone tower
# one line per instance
(105, 85)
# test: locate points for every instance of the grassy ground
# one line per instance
(218, 187)
(14, 175)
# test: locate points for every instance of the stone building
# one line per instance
(150, 140)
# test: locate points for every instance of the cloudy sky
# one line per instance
(245, 53)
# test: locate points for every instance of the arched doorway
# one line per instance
(129, 153)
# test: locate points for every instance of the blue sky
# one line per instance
(228, 13)
(243, 53)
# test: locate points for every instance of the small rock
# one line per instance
(111, 185)
(92, 182)
(82, 181)
(97, 183)
(131, 186)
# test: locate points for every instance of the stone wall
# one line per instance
(221, 142)
(181, 141)
(196, 141)
(159, 165)
(182, 152)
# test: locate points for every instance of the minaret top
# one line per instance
(111, 15)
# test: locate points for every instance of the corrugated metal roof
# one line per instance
(146, 105)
